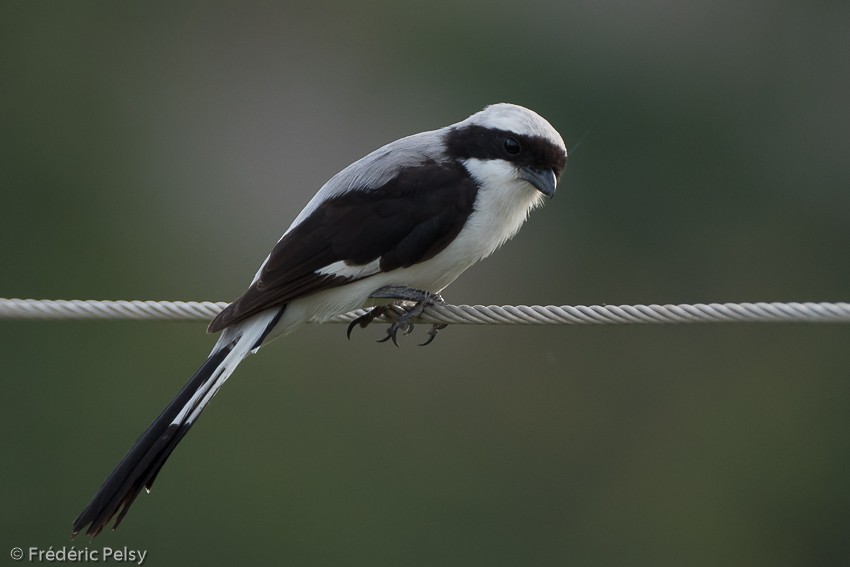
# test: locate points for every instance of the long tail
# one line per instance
(139, 468)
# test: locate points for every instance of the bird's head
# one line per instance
(507, 143)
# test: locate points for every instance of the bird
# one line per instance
(393, 228)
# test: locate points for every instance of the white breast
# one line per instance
(501, 206)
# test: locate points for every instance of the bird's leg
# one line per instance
(399, 295)
(402, 293)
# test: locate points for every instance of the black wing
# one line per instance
(408, 220)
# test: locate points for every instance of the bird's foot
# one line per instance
(404, 323)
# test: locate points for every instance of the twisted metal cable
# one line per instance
(458, 314)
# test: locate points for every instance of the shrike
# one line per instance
(398, 225)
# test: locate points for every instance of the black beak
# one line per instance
(544, 180)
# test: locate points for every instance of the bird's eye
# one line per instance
(512, 146)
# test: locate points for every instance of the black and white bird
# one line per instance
(398, 225)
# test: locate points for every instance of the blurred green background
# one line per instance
(157, 150)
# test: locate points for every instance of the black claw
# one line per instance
(391, 334)
(351, 328)
(432, 333)
(364, 320)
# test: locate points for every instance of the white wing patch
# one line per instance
(342, 269)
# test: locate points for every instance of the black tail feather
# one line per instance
(139, 468)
